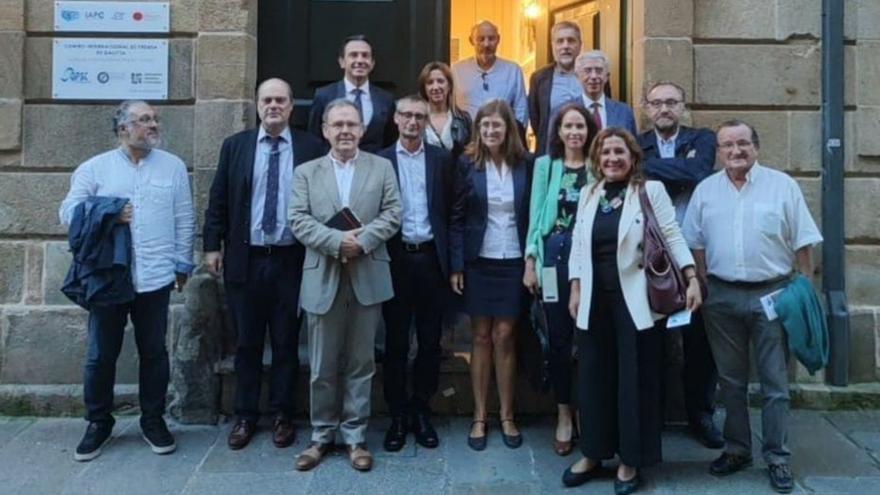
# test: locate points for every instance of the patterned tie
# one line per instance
(357, 101)
(597, 117)
(270, 206)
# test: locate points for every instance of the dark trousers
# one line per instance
(560, 324)
(268, 299)
(419, 292)
(149, 314)
(620, 371)
(699, 374)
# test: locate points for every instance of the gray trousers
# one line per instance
(342, 361)
(734, 317)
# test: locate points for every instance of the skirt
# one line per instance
(494, 287)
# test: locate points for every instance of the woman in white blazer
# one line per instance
(621, 352)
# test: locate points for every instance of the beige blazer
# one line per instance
(630, 235)
(375, 199)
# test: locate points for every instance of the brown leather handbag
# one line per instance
(667, 288)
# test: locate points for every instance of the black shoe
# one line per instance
(780, 478)
(512, 441)
(707, 433)
(729, 464)
(96, 437)
(571, 479)
(395, 437)
(424, 432)
(626, 487)
(479, 443)
(156, 433)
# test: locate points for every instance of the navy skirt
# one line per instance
(494, 287)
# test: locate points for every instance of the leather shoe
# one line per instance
(512, 441)
(707, 433)
(361, 458)
(424, 431)
(780, 478)
(395, 437)
(729, 464)
(283, 432)
(571, 479)
(311, 457)
(622, 487)
(241, 434)
(479, 443)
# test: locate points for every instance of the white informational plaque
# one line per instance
(109, 69)
(113, 17)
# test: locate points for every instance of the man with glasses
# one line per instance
(681, 157)
(159, 227)
(748, 225)
(419, 270)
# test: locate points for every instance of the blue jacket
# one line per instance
(100, 273)
(694, 160)
(617, 114)
(802, 317)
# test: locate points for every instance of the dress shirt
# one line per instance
(566, 87)
(503, 81)
(366, 101)
(588, 104)
(344, 175)
(681, 199)
(163, 223)
(666, 147)
(444, 140)
(282, 235)
(411, 168)
(500, 241)
(751, 234)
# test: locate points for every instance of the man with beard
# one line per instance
(681, 157)
(159, 214)
(556, 83)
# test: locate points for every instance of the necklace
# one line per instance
(608, 205)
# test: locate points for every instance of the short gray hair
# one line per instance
(593, 55)
(657, 84)
(122, 115)
(338, 103)
(416, 98)
(566, 25)
(737, 123)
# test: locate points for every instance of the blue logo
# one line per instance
(95, 15)
(69, 15)
(103, 77)
(74, 76)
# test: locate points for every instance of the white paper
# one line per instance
(113, 17)
(679, 319)
(549, 285)
(768, 302)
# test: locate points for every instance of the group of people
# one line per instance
(392, 210)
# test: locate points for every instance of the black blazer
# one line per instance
(228, 217)
(381, 131)
(694, 159)
(540, 86)
(470, 209)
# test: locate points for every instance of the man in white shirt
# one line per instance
(749, 226)
(161, 220)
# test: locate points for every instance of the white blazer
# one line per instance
(630, 234)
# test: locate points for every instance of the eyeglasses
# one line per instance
(657, 104)
(146, 120)
(420, 117)
(742, 144)
(484, 76)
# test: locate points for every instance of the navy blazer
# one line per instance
(439, 177)
(470, 209)
(617, 113)
(540, 87)
(683, 172)
(228, 217)
(381, 131)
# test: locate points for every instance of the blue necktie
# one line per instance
(270, 206)
(357, 101)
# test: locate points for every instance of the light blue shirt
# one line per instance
(415, 222)
(282, 236)
(666, 149)
(344, 176)
(504, 81)
(366, 101)
(566, 87)
(163, 223)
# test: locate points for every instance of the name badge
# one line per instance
(549, 285)
(679, 319)
(768, 302)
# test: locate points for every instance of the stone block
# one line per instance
(772, 128)
(805, 141)
(742, 19)
(48, 346)
(81, 131)
(669, 18)
(12, 61)
(812, 190)
(185, 16)
(40, 15)
(214, 122)
(12, 263)
(798, 18)
(863, 275)
(33, 281)
(226, 66)
(202, 179)
(669, 60)
(56, 262)
(12, 15)
(10, 124)
(775, 75)
(867, 130)
(228, 15)
(868, 63)
(868, 19)
(181, 79)
(29, 202)
(863, 332)
(862, 223)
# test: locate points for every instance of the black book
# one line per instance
(344, 220)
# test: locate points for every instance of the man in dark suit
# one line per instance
(261, 262)
(375, 104)
(419, 270)
(556, 83)
(681, 157)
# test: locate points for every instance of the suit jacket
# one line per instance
(439, 177)
(375, 199)
(380, 132)
(694, 159)
(630, 254)
(540, 87)
(617, 114)
(470, 210)
(228, 217)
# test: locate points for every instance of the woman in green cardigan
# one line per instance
(556, 187)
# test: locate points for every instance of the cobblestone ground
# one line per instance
(833, 453)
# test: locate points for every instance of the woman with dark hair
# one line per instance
(486, 242)
(620, 366)
(448, 126)
(556, 188)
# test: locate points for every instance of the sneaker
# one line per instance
(96, 437)
(156, 433)
(729, 464)
(780, 478)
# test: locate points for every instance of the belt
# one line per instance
(268, 250)
(410, 247)
(743, 284)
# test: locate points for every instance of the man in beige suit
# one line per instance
(345, 279)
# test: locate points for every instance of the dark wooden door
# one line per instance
(298, 40)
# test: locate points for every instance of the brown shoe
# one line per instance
(562, 448)
(241, 434)
(311, 457)
(283, 433)
(361, 458)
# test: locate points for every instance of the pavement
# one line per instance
(836, 452)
